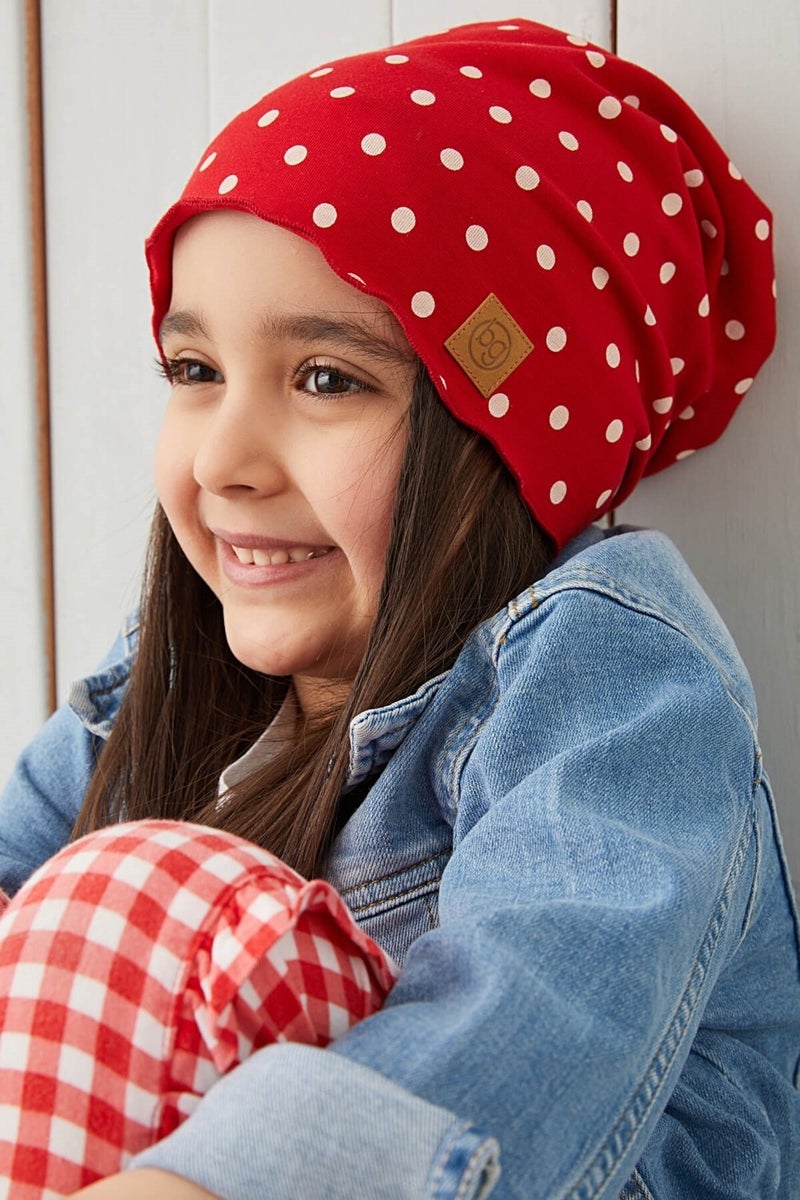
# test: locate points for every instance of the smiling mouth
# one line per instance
(279, 556)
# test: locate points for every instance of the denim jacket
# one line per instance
(573, 851)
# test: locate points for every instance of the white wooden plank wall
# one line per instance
(132, 90)
(22, 660)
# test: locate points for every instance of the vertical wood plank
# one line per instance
(22, 624)
(33, 72)
(587, 18)
(732, 509)
(126, 109)
(255, 47)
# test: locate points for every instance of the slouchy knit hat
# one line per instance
(584, 273)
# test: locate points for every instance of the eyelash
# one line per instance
(172, 369)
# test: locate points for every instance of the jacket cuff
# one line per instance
(297, 1121)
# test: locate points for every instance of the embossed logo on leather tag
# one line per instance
(489, 345)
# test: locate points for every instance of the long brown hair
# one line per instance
(462, 544)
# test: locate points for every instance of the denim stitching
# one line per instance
(386, 903)
(597, 1172)
(423, 862)
(444, 1154)
(468, 1178)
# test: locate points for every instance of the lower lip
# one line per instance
(250, 575)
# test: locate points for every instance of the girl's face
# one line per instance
(281, 445)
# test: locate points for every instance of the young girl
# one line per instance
(427, 314)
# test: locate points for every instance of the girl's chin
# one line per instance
(323, 664)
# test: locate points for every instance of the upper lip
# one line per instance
(256, 541)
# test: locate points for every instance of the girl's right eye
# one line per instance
(188, 371)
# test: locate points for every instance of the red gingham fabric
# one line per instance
(137, 967)
(509, 163)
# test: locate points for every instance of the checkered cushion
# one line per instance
(139, 965)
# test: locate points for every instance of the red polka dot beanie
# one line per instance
(583, 271)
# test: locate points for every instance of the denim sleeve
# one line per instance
(601, 874)
(40, 802)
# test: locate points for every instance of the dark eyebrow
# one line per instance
(348, 333)
(188, 323)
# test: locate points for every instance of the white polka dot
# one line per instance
(206, 163)
(734, 171)
(599, 278)
(500, 114)
(508, 26)
(630, 244)
(321, 71)
(324, 215)
(743, 386)
(357, 278)
(693, 179)
(663, 404)
(568, 140)
(228, 184)
(601, 499)
(373, 144)
(672, 204)
(423, 97)
(556, 339)
(559, 416)
(649, 316)
(295, 155)
(613, 356)
(636, 370)
(667, 272)
(339, 93)
(403, 220)
(540, 88)
(614, 431)
(734, 330)
(704, 307)
(687, 413)
(527, 178)
(576, 41)
(268, 117)
(422, 304)
(499, 404)
(677, 365)
(725, 268)
(471, 72)
(625, 172)
(609, 107)
(644, 443)
(477, 237)
(762, 230)
(669, 134)
(596, 58)
(709, 228)
(443, 382)
(546, 257)
(451, 159)
(396, 58)
(585, 209)
(774, 289)
(633, 101)
(558, 491)
(683, 454)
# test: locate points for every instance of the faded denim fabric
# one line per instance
(573, 850)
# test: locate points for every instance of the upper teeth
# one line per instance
(277, 557)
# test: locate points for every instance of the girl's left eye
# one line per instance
(321, 380)
(188, 371)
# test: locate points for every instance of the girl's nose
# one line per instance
(238, 448)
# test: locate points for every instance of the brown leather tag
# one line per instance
(489, 345)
